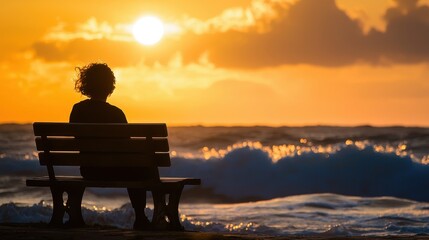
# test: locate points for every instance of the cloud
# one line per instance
(81, 50)
(116, 53)
(256, 15)
(312, 32)
(319, 33)
(89, 30)
(100, 40)
(266, 34)
(407, 33)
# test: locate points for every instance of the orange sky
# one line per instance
(241, 62)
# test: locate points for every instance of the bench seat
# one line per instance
(78, 181)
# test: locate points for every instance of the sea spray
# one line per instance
(247, 173)
(315, 214)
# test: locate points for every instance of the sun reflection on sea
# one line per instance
(277, 152)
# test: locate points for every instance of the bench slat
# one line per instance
(102, 145)
(131, 145)
(79, 181)
(100, 130)
(105, 159)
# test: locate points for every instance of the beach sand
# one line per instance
(43, 231)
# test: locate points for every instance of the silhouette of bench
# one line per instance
(105, 145)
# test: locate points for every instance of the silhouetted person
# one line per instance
(97, 82)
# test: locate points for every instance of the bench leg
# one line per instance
(72, 207)
(159, 210)
(171, 210)
(58, 208)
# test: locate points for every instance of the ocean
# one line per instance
(316, 180)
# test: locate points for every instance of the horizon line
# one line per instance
(208, 125)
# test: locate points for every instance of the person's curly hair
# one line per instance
(95, 80)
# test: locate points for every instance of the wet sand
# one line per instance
(43, 231)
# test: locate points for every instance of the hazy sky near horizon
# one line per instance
(241, 62)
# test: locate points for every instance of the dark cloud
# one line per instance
(406, 4)
(407, 33)
(319, 33)
(113, 52)
(313, 32)
(309, 32)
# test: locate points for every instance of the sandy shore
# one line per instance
(43, 231)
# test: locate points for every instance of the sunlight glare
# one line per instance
(148, 30)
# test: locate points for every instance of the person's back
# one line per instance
(97, 81)
(96, 111)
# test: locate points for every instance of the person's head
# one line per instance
(95, 80)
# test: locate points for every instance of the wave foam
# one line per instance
(251, 173)
(297, 215)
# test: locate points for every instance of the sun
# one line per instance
(148, 30)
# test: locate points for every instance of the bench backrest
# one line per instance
(101, 145)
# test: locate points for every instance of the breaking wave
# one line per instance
(315, 214)
(251, 172)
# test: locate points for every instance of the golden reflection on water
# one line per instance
(277, 152)
(240, 226)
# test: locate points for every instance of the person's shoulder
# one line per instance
(76, 112)
(118, 112)
(81, 103)
(114, 107)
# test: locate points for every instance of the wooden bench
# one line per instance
(105, 145)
